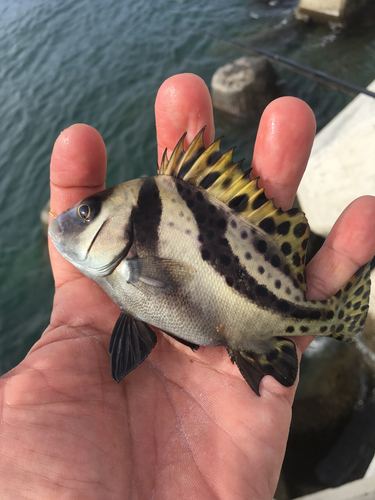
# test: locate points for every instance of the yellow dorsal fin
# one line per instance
(214, 172)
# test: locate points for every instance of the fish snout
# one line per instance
(55, 231)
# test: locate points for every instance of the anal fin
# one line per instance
(131, 342)
(276, 357)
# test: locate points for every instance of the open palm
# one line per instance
(182, 425)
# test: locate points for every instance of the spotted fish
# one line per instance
(199, 252)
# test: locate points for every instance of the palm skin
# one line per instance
(182, 425)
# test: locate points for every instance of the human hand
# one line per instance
(183, 424)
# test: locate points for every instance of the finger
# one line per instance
(349, 245)
(183, 104)
(282, 148)
(78, 168)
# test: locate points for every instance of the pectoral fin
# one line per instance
(276, 357)
(131, 342)
(156, 275)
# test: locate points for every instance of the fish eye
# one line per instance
(84, 211)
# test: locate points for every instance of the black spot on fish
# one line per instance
(315, 314)
(286, 349)
(300, 278)
(283, 228)
(268, 225)
(225, 259)
(296, 259)
(330, 314)
(199, 196)
(206, 254)
(261, 290)
(299, 229)
(209, 180)
(261, 246)
(278, 284)
(289, 329)
(323, 329)
(286, 248)
(226, 182)
(229, 281)
(283, 306)
(233, 223)
(359, 291)
(288, 290)
(260, 200)
(275, 261)
(304, 329)
(271, 356)
(295, 283)
(300, 313)
(347, 287)
(348, 305)
(260, 269)
(146, 216)
(221, 224)
(304, 244)
(244, 235)
(180, 187)
(340, 314)
(338, 294)
(247, 255)
(340, 328)
(238, 202)
(347, 319)
(286, 270)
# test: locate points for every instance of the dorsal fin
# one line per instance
(214, 172)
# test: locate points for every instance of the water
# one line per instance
(101, 63)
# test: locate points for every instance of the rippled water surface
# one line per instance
(101, 63)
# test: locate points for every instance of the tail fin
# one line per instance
(353, 300)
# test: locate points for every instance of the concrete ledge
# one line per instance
(341, 167)
(331, 11)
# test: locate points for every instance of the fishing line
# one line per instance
(307, 71)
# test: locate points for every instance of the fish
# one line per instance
(199, 252)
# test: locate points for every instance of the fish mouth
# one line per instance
(55, 232)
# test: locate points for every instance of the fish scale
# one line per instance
(201, 253)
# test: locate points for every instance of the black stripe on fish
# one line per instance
(215, 250)
(146, 217)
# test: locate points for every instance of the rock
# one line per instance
(335, 12)
(245, 86)
(341, 166)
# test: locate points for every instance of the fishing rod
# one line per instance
(308, 71)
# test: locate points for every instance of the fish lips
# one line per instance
(56, 233)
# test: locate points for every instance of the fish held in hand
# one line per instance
(199, 252)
